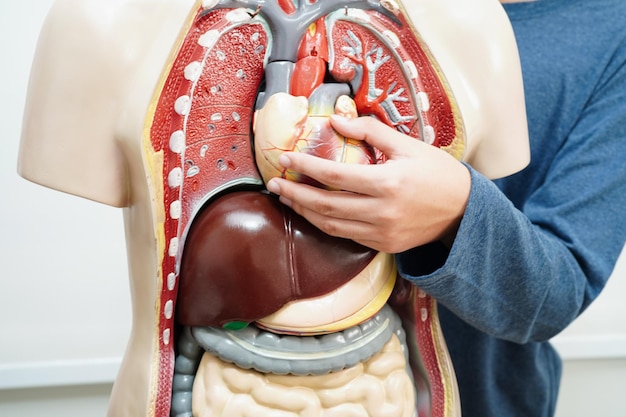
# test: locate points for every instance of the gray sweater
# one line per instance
(536, 248)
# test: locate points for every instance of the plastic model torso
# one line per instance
(233, 256)
(240, 304)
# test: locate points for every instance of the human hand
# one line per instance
(417, 196)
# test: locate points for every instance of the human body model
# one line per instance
(101, 121)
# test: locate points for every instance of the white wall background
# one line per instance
(64, 303)
(64, 298)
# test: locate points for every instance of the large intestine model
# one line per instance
(265, 314)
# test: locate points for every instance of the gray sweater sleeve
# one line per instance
(510, 277)
(503, 275)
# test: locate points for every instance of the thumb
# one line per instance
(377, 134)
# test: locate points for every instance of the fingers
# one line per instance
(313, 202)
(391, 142)
(363, 179)
(337, 213)
(354, 218)
(356, 178)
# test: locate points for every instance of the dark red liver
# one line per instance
(247, 255)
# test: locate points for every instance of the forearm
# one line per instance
(505, 275)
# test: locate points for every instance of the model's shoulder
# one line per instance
(97, 20)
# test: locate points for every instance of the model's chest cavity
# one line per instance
(252, 82)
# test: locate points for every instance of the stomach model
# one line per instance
(272, 316)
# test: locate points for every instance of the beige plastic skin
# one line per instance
(93, 78)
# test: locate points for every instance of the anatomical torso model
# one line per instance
(177, 110)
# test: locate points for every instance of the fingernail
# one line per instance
(284, 161)
(273, 187)
(338, 118)
(285, 201)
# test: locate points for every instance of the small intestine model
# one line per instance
(270, 307)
